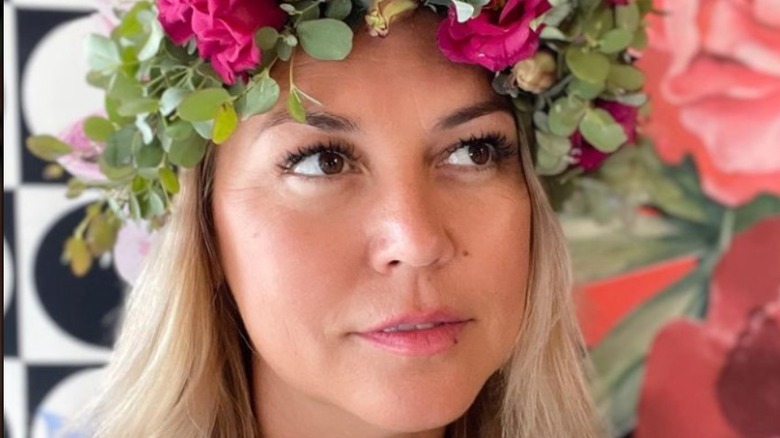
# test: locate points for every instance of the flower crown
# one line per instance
(178, 76)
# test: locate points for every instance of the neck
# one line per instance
(285, 412)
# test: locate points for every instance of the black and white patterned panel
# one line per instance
(57, 329)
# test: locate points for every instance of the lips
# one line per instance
(423, 334)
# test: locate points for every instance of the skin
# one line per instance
(408, 227)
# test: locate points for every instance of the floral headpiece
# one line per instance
(178, 76)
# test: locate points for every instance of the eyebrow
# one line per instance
(335, 123)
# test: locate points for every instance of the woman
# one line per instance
(384, 264)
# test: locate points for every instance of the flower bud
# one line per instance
(535, 74)
(384, 12)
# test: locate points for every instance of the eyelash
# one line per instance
(502, 149)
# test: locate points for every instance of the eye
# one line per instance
(480, 151)
(470, 154)
(321, 163)
(319, 160)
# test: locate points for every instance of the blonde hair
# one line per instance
(181, 364)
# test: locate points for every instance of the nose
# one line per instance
(408, 228)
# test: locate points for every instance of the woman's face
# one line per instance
(379, 253)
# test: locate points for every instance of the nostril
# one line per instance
(394, 263)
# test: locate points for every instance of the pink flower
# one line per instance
(132, 245)
(223, 29)
(497, 38)
(713, 74)
(590, 158)
(82, 162)
(721, 377)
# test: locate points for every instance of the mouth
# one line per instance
(418, 335)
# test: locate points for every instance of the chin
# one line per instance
(419, 409)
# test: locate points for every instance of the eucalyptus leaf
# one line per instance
(225, 123)
(171, 98)
(584, 90)
(134, 107)
(47, 147)
(189, 152)
(266, 38)
(627, 17)
(262, 94)
(463, 10)
(553, 33)
(169, 180)
(589, 66)
(98, 128)
(202, 105)
(552, 155)
(599, 128)
(325, 39)
(75, 188)
(155, 37)
(102, 53)
(116, 174)
(205, 129)
(599, 23)
(625, 77)
(565, 115)
(283, 50)
(338, 9)
(124, 87)
(149, 155)
(120, 145)
(639, 42)
(615, 41)
(78, 256)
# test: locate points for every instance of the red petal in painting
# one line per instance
(721, 378)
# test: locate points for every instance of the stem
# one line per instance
(726, 233)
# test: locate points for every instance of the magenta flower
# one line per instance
(223, 30)
(497, 38)
(590, 158)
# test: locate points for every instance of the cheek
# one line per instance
(285, 267)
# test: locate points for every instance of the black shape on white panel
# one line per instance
(85, 307)
(5, 428)
(10, 332)
(32, 25)
(55, 396)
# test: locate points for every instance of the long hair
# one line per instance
(181, 365)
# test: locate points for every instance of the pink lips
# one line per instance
(423, 334)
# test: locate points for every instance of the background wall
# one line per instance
(57, 329)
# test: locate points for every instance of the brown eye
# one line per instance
(331, 163)
(479, 153)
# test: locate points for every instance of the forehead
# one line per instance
(402, 78)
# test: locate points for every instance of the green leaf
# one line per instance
(584, 90)
(565, 115)
(98, 129)
(202, 105)
(204, 129)
(171, 98)
(189, 152)
(142, 105)
(169, 180)
(295, 107)
(601, 131)
(75, 188)
(260, 97)
(120, 146)
(155, 36)
(102, 53)
(599, 23)
(627, 17)
(47, 147)
(149, 155)
(589, 66)
(338, 9)
(615, 41)
(179, 130)
(78, 256)
(225, 123)
(625, 77)
(283, 50)
(463, 10)
(552, 153)
(266, 38)
(325, 39)
(762, 207)
(639, 42)
(617, 357)
(125, 87)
